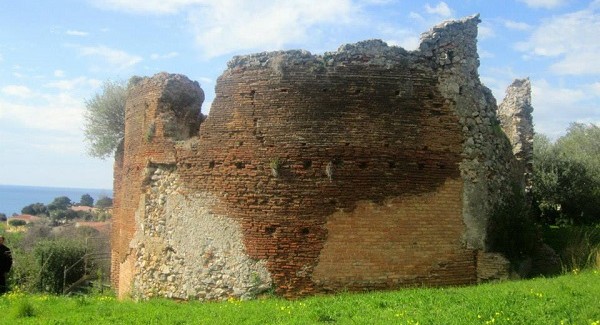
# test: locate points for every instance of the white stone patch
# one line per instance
(186, 251)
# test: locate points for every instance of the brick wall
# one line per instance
(369, 167)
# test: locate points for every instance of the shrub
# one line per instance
(17, 222)
(61, 263)
(577, 246)
(511, 230)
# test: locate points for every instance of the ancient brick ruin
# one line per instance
(366, 168)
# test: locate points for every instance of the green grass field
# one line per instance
(569, 299)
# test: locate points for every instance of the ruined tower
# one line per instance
(515, 117)
(370, 167)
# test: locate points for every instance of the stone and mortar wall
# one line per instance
(366, 168)
(515, 117)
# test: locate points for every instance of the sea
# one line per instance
(14, 197)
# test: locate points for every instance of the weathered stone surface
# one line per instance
(515, 117)
(365, 168)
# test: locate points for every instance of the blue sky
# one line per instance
(55, 54)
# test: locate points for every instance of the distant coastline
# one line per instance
(14, 197)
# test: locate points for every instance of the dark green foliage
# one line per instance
(35, 209)
(3, 217)
(61, 263)
(62, 216)
(60, 203)
(577, 246)
(511, 230)
(566, 177)
(23, 309)
(84, 215)
(86, 200)
(104, 202)
(17, 222)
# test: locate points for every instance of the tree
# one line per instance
(86, 200)
(35, 209)
(104, 125)
(566, 176)
(104, 202)
(60, 203)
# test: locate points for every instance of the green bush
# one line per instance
(511, 230)
(61, 263)
(577, 246)
(17, 222)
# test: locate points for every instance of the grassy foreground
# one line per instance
(568, 299)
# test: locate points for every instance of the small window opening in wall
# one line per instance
(270, 230)
(307, 163)
(397, 93)
(324, 90)
(305, 231)
(441, 166)
(421, 166)
(239, 165)
(211, 164)
(362, 165)
(460, 90)
(430, 95)
(391, 164)
(252, 93)
(188, 166)
(283, 90)
(357, 91)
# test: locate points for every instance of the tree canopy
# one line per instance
(104, 126)
(566, 177)
(86, 200)
(104, 202)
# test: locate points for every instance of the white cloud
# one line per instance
(59, 73)
(485, 31)
(206, 80)
(547, 4)
(149, 6)
(232, 25)
(409, 43)
(555, 107)
(415, 16)
(571, 39)
(71, 84)
(516, 25)
(118, 59)
(485, 54)
(17, 91)
(441, 9)
(76, 33)
(594, 89)
(57, 113)
(169, 55)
